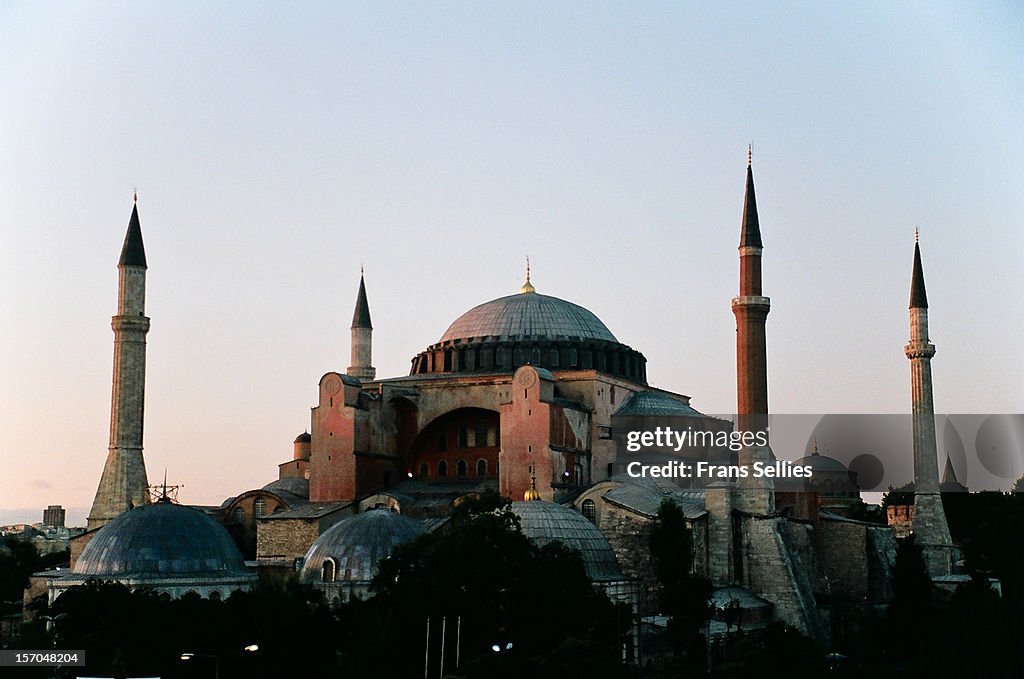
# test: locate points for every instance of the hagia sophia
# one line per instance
(527, 394)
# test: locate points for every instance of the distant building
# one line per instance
(54, 516)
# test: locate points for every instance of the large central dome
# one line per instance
(528, 315)
(530, 329)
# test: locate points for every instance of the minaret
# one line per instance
(929, 525)
(123, 483)
(362, 337)
(751, 310)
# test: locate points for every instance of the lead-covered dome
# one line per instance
(545, 522)
(349, 551)
(528, 315)
(530, 329)
(160, 540)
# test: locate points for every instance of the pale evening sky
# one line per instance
(276, 147)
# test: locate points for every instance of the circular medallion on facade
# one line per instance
(527, 378)
(332, 385)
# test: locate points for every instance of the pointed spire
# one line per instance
(948, 473)
(527, 286)
(132, 252)
(361, 315)
(918, 296)
(750, 234)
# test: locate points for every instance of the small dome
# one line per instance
(545, 522)
(161, 539)
(357, 544)
(298, 487)
(821, 464)
(657, 404)
(528, 314)
(304, 437)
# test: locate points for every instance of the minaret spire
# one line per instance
(751, 309)
(931, 531)
(362, 336)
(123, 484)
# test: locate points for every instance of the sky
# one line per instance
(278, 147)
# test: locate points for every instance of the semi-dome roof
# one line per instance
(528, 314)
(161, 539)
(357, 544)
(545, 522)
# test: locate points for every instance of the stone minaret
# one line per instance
(751, 310)
(123, 484)
(929, 525)
(362, 338)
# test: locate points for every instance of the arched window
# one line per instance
(424, 470)
(327, 570)
(481, 467)
(215, 595)
(590, 511)
(239, 515)
(442, 468)
(259, 507)
(461, 468)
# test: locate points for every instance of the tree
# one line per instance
(487, 584)
(683, 596)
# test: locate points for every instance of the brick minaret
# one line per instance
(362, 337)
(123, 483)
(751, 310)
(930, 529)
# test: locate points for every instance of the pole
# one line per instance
(458, 642)
(426, 657)
(444, 625)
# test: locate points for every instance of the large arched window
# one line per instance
(259, 507)
(481, 467)
(327, 570)
(590, 511)
(442, 468)
(239, 515)
(461, 468)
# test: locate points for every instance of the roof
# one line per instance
(290, 489)
(655, 403)
(546, 522)
(308, 511)
(361, 315)
(528, 315)
(132, 252)
(723, 596)
(357, 544)
(161, 539)
(750, 230)
(918, 296)
(646, 500)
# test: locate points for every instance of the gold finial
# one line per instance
(360, 268)
(532, 495)
(135, 191)
(815, 440)
(917, 234)
(527, 286)
(750, 155)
